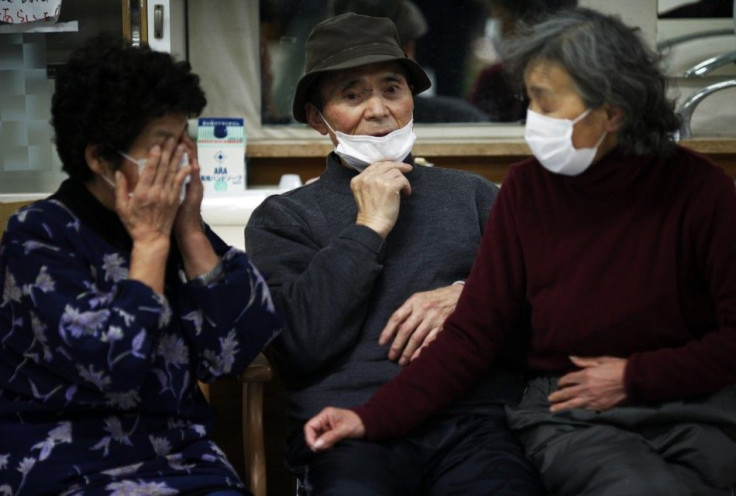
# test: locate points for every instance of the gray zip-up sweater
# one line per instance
(337, 283)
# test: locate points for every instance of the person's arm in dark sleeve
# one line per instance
(491, 300)
(320, 290)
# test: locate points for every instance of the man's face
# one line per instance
(373, 100)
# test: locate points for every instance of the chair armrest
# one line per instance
(7, 210)
(254, 453)
(259, 370)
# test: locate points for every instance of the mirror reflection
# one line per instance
(460, 45)
(679, 9)
(457, 43)
(697, 38)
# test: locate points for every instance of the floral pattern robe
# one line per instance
(99, 373)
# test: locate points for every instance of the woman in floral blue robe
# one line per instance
(117, 299)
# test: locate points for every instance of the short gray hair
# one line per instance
(609, 63)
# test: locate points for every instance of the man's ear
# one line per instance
(615, 118)
(93, 157)
(314, 119)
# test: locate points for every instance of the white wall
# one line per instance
(641, 13)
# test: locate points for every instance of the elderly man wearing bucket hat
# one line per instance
(363, 263)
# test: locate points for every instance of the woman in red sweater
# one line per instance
(624, 244)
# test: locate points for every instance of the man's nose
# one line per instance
(376, 107)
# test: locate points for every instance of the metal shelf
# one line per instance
(34, 27)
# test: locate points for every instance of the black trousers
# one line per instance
(680, 448)
(467, 454)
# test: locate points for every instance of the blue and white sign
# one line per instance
(221, 151)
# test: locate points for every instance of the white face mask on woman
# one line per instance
(141, 163)
(550, 140)
(359, 151)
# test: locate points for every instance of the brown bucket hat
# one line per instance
(351, 40)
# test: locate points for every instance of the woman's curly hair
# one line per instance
(609, 63)
(109, 91)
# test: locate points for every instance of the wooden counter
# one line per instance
(269, 159)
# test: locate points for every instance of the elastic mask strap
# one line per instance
(605, 133)
(327, 123)
(581, 117)
(108, 180)
(141, 163)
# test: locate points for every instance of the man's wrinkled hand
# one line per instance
(417, 322)
(377, 192)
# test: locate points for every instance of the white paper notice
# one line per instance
(221, 152)
(24, 11)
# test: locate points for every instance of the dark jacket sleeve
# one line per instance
(319, 289)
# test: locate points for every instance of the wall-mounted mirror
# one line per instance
(458, 43)
(698, 41)
(694, 9)
(250, 55)
(690, 34)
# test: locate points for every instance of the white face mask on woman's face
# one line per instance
(141, 163)
(550, 140)
(359, 151)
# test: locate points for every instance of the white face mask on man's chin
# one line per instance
(141, 163)
(359, 151)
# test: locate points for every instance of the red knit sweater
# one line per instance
(634, 258)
